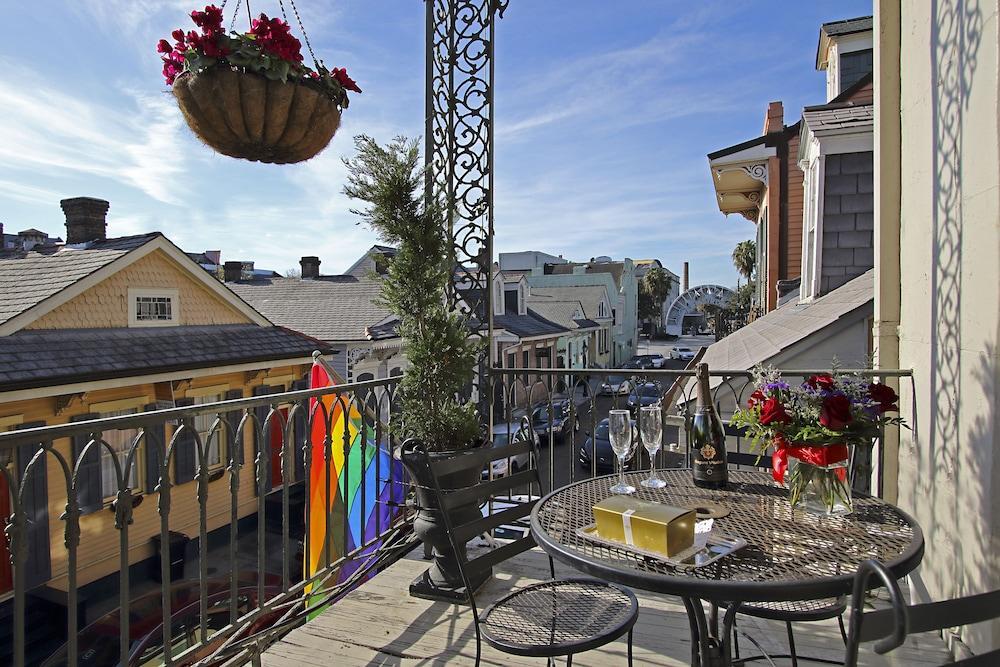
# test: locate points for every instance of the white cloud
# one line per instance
(49, 132)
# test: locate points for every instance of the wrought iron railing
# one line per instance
(365, 526)
(362, 526)
(548, 399)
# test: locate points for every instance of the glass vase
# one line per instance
(820, 489)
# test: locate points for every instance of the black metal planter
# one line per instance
(442, 581)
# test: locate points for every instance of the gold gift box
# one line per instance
(646, 525)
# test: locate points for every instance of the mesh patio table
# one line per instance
(789, 557)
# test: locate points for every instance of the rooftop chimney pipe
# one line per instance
(86, 219)
(684, 279)
(310, 267)
(232, 271)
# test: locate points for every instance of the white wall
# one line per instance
(949, 464)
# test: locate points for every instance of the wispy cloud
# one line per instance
(49, 132)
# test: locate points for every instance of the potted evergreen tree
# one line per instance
(389, 180)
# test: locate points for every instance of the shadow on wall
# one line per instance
(955, 463)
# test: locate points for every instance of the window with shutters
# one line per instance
(120, 441)
(203, 425)
(153, 307)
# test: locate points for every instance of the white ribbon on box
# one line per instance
(627, 526)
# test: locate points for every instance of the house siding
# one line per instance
(98, 556)
(848, 219)
(105, 305)
(946, 214)
(793, 213)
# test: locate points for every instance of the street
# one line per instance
(562, 459)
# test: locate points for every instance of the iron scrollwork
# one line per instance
(459, 152)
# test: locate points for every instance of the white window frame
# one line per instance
(498, 296)
(175, 307)
(522, 299)
(203, 425)
(121, 441)
(814, 172)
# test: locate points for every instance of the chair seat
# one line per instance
(559, 617)
(796, 610)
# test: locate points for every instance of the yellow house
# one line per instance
(100, 327)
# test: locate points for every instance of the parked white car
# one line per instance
(682, 353)
(616, 385)
(504, 434)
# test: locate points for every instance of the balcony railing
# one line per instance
(273, 505)
(584, 396)
(362, 527)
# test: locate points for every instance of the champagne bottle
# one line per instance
(708, 438)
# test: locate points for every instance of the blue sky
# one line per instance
(604, 113)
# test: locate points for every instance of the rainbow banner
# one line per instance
(364, 513)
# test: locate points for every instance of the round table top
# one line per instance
(789, 555)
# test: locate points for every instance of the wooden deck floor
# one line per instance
(379, 624)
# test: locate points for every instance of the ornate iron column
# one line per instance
(459, 153)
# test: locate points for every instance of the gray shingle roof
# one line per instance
(561, 313)
(590, 296)
(834, 117)
(28, 278)
(330, 308)
(527, 326)
(39, 357)
(847, 26)
(769, 335)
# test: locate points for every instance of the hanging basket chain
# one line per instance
(236, 12)
(301, 27)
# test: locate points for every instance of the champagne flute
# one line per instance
(620, 433)
(651, 430)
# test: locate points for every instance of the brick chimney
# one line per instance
(232, 271)
(774, 120)
(684, 279)
(86, 219)
(310, 267)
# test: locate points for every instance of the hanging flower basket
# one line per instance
(249, 95)
(244, 115)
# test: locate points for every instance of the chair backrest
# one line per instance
(889, 627)
(459, 535)
(748, 459)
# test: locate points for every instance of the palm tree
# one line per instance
(653, 290)
(745, 258)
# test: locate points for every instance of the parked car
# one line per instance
(651, 360)
(599, 445)
(503, 434)
(682, 353)
(616, 385)
(514, 530)
(647, 393)
(561, 428)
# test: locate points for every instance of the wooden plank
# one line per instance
(378, 624)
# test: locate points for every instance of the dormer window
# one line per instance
(153, 307)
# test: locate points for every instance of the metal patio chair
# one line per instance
(797, 611)
(559, 617)
(889, 627)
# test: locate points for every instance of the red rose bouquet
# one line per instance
(815, 425)
(268, 49)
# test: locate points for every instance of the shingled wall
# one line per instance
(848, 218)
